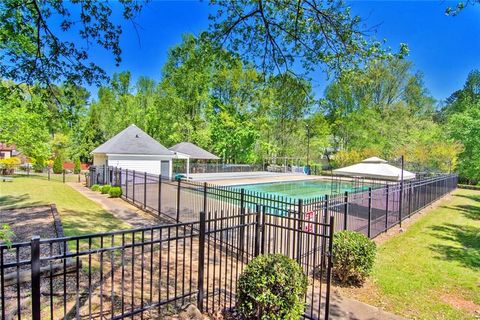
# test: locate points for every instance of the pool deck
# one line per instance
(253, 178)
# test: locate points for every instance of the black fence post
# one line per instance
(126, 183)
(35, 270)
(258, 229)
(133, 186)
(263, 230)
(201, 262)
(159, 202)
(179, 181)
(63, 175)
(400, 204)
(410, 192)
(345, 212)
(242, 220)
(299, 231)
(144, 190)
(329, 267)
(79, 178)
(48, 171)
(369, 229)
(386, 207)
(120, 178)
(205, 186)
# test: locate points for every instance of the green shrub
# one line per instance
(353, 257)
(39, 164)
(272, 287)
(106, 188)
(115, 192)
(95, 187)
(58, 165)
(78, 166)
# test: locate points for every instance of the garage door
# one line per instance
(149, 166)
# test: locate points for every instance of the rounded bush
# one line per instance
(272, 286)
(105, 189)
(115, 192)
(95, 187)
(353, 257)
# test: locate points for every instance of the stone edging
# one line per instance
(57, 222)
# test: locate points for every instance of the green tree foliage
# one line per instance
(21, 126)
(462, 114)
(385, 110)
(276, 34)
(36, 48)
(209, 97)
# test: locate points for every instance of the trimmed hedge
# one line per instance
(353, 257)
(469, 186)
(115, 192)
(105, 189)
(95, 187)
(272, 286)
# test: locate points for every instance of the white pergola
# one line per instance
(375, 168)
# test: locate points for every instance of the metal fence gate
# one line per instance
(150, 272)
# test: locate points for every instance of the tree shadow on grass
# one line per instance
(469, 211)
(13, 200)
(469, 196)
(465, 248)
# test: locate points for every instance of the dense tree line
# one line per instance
(211, 97)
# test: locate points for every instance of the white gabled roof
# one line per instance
(133, 140)
(375, 168)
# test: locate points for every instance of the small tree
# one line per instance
(78, 167)
(58, 165)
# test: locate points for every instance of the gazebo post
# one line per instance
(188, 167)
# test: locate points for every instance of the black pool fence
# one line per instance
(372, 208)
(151, 272)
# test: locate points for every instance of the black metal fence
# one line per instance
(150, 272)
(372, 209)
(48, 174)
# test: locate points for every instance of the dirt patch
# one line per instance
(30, 221)
(460, 303)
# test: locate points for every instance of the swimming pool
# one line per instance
(304, 189)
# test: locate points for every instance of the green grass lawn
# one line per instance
(431, 271)
(79, 215)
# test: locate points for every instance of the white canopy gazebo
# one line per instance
(375, 168)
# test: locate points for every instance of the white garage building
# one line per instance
(133, 149)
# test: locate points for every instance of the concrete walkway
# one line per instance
(119, 208)
(345, 308)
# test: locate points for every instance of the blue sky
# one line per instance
(444, 48)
